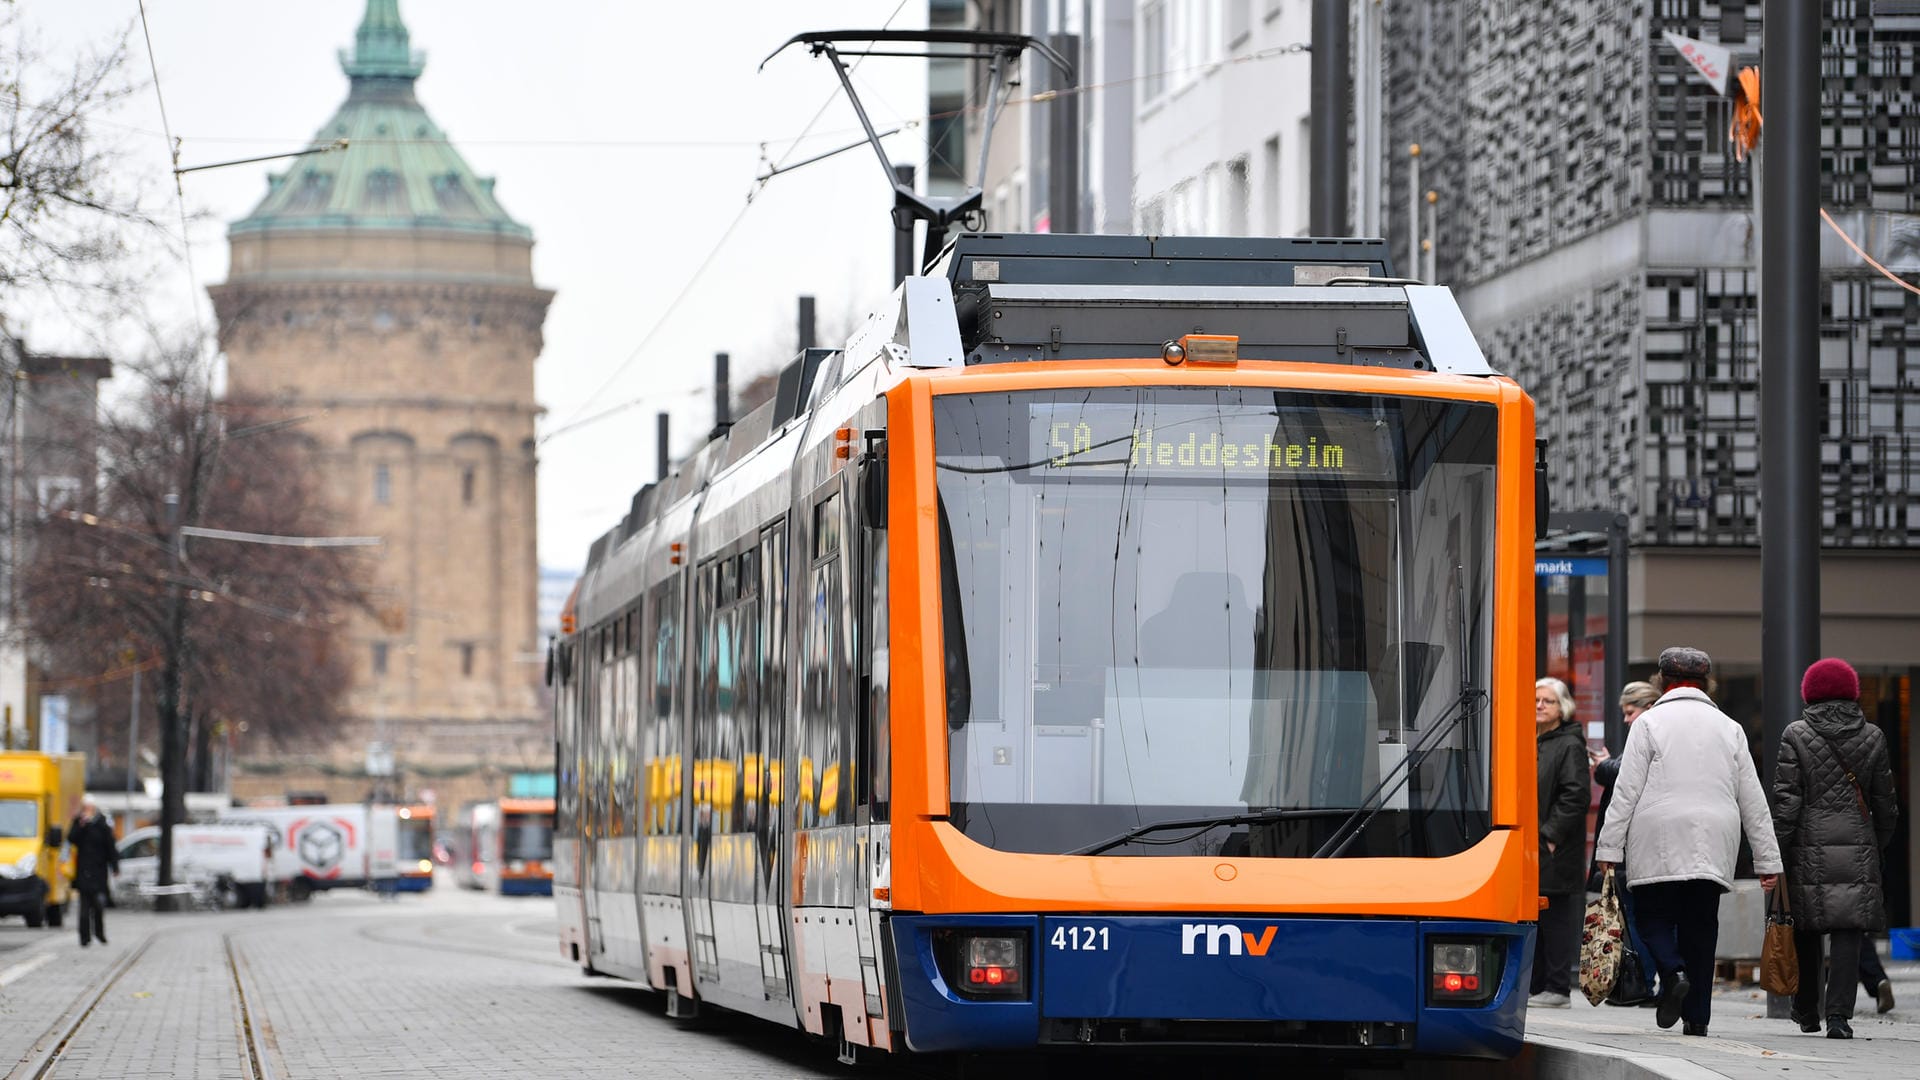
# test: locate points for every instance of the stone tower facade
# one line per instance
(382, 295)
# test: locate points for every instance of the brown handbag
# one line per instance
(1779, 961)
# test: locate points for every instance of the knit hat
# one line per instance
(1831, 679)
(1681, 662)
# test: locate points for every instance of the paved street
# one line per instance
(460, 984)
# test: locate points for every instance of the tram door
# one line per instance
(868, 612)
(763, 795)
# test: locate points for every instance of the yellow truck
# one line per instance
(39, 794)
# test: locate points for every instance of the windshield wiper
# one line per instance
(1470, 700)
(1204, 824)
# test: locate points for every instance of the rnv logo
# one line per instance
(1223, 937)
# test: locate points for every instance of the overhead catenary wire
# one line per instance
(179, 190)
(574, 421)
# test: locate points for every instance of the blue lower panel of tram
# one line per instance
(1331, 983)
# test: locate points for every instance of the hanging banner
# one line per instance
(1711, 62)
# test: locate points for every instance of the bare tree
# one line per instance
(66, 208)
(241, 628)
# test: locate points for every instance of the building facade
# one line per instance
(1602, 235)
(383, 296)
(49, 458)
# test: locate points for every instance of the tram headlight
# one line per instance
(426, 866)
(1463, 971)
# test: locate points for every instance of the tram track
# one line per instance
(51, 1052)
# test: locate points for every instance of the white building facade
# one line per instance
(1220, 141)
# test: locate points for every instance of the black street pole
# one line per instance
(722, 395)
(1063, 142)
(172, 798)
(1615, 725)
(1789, 370)
(1327, 196)
(1789, 363)
(660, 446)
(903, 230)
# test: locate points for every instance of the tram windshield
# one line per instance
(527, 836)
(1167, 610)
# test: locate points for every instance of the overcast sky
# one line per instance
(626, 134)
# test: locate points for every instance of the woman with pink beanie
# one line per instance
(1834, 811)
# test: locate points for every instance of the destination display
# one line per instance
(1211, 440)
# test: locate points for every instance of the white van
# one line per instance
(321, 847)
(229, 861)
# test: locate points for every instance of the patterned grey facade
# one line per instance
(1600, 230)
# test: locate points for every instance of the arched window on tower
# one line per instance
(469, 477)
(315, 189)
(383, 193)
(382, 484)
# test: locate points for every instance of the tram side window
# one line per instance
(748, 739)
(630, 707)
(566, 743)
(873, 644)
(663, 811)
(825, 784)
(602, 714)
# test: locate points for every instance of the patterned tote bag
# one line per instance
(1602, 940)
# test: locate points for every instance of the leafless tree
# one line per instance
(67, 208)
(243, 634)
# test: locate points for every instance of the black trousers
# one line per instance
(1840, 976)
(1872, 973)
(1680, 923)
(93, 915)
(1557, 954)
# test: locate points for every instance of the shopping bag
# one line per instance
(1603, 938)
(1779, 961)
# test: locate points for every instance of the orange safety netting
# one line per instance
(1745, 129)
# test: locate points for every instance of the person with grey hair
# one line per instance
(96, 854)
(1561, 752)
(1687, 789)
(1635, 698)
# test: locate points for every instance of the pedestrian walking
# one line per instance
(1635, 698)
(96, 855)
(1834, 810)
(1564, 792)
(1686, 790)
(1873, 975)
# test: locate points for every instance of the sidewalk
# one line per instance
(1743, 1041)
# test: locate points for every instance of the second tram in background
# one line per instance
(414, 848)
(1121, 640)
(506, 847)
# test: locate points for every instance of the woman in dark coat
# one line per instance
(96, 854)
(1564, 792)
(1834, 811)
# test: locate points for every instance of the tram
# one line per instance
(1117, 641)
(414, 845)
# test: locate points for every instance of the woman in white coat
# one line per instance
(1687, 789)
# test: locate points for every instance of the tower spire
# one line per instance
(381, 47)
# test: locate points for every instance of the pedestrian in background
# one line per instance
(1564, 793)
(1685, 791)
(1834, 810)
(1635, 698)
(96, 854)
(1873, 974)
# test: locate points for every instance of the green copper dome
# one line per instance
(398, 171)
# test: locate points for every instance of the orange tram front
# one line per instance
(1120, 641)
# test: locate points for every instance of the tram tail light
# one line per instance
(994, 966)
(1463, 971)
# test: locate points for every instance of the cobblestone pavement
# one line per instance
(449, 984)
(459, 984)
(1744, 1042)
